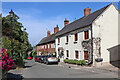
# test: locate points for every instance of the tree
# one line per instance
(21, 44)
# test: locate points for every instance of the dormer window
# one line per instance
(86, 34)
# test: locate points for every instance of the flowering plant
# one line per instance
(7, 62)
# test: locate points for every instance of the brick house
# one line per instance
(47, 44)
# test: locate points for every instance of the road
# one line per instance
(38, 70)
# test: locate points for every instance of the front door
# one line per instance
(86, 56)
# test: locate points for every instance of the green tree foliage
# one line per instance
(21, 44)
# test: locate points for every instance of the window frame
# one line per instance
(86, 56)
(67, 53)
(67, 39)
(58, 40)
(76, 37)
(77, 56)
(86, 34)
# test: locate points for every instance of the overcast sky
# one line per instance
(38, 17)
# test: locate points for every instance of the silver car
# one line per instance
(50, 59)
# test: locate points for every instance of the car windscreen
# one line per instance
(37, 56)
(42, 56)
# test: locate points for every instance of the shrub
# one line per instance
(83, 62)
(58, 59)
(19, 62)
(70, 61)
(79, 62)
(66, 60)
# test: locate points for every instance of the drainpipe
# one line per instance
(91, 62)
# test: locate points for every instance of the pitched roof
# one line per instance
(45, 40)
(82, 22)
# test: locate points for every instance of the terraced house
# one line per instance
(47, 44)
(90, 37)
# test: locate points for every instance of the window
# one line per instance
(76, 37)
(67, 39)
(49, 45)
(58, 40)
(44, 46)
(54, 45)
(86, 55)
(76, 54)
(67, 53)
(86, 34)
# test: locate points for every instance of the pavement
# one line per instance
(37, 70)
(107, 67)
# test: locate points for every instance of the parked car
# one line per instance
(41, 59)
(50, 59)
(29, 58)
(37, 58)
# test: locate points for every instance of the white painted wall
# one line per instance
(71, 47)
(106, 26)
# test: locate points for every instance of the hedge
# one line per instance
(78, 62)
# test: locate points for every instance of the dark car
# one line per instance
(41, 59)
(50, 59)
(37, 58)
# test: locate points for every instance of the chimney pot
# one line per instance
(75, 19)
(66, 22)
(87, 11)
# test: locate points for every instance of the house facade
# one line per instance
(47, 44)
(89, 37)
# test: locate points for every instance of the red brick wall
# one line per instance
(49, 50)
(56, 29)
(87, 11)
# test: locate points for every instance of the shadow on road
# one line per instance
(27, 66)
(11, 76)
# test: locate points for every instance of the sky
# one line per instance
(39, 17)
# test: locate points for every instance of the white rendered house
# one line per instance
(90, 37)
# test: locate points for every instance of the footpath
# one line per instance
(92, 68)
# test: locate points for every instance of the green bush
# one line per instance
(66, 60)
(78, 62)
(19, 62)
(83, 62)
(58, 59)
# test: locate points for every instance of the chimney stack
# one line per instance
(56, 29)
(75, 19)
(48, 33)
(66, 22)
(87, 11)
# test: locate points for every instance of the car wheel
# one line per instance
(57, 63)
(44, 62)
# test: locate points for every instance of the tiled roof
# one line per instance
(82, 22)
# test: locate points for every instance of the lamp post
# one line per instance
(11, 18)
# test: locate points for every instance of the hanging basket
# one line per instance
(99, 59)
